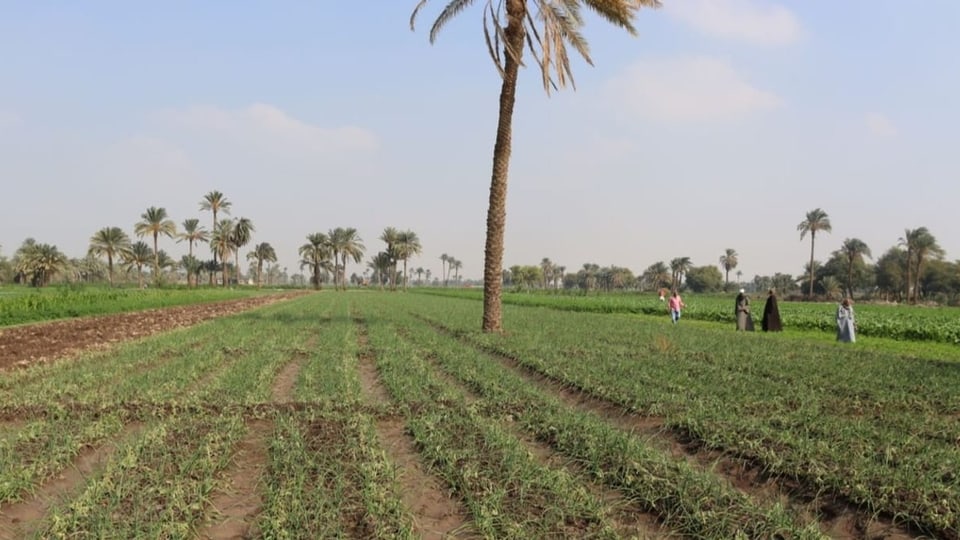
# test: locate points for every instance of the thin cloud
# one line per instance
(268, 129)
(880, 125)
(689, 89)
(752, 21)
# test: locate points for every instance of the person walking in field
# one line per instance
(675, 305)
(771, 314)
(742, 311)
(846, 325)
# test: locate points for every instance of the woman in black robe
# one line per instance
(771, 314)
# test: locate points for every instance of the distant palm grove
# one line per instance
(913, 269)
(114, 257)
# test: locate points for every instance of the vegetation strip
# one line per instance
(694, 378)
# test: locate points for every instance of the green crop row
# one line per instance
(877, 430)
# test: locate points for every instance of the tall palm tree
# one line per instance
(560, 25)
(443, 268)
(853, 250)
(679, 268)
(155, 223)
(315, 254)
(192, 232)
(262, 252)
(408, 245)
(728, 261)
(215, 202)
(817, 220)
(137, 257)
(112, 242)
(243, 230)
(221, 243)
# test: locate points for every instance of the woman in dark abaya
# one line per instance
(771, 314)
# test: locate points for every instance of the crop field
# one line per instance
(20, 304)
(389, 415)
(917, 323)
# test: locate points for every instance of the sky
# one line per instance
(719, 125)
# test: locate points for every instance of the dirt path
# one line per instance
(236, 505)
(436, 514)
(43, 342)
(18, 519)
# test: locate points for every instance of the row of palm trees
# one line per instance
(226, 238)
(920, 246)
(330, 252)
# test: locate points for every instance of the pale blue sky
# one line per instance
(720, 125)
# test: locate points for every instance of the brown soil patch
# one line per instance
(41, 342)
(436, 515)
(238, 502)
(18, 519)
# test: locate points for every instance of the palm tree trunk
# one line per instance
(909, 282)
(916, 280)
(110, 268)
(497, 210)
(812, 236)
(404, 274)
(156, 261)
(850, 279)
(259, 273)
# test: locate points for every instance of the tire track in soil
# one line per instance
(436, 515)
(236, 505)
(21, 519)
(836, 517)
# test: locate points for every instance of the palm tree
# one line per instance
(419, 273)
(728, 261)
(408, 245)
(262, 252)
(221, 243)
(853, 250)
(192, 266)
(155, 223)
(315, 254)
(546, 265)
(138, 256)
(443, 268)
(679, 267)
(345, 243)
(391, 236)
(215, 202)
(193, 232)
(920, 244)
(817, 220)
(39, 262)
(457, 265)
(240, 236)
(561, 23)
(112, 242)
(380, 264)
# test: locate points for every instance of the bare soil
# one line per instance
(23, 345)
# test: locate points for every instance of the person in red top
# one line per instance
(675, 304)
